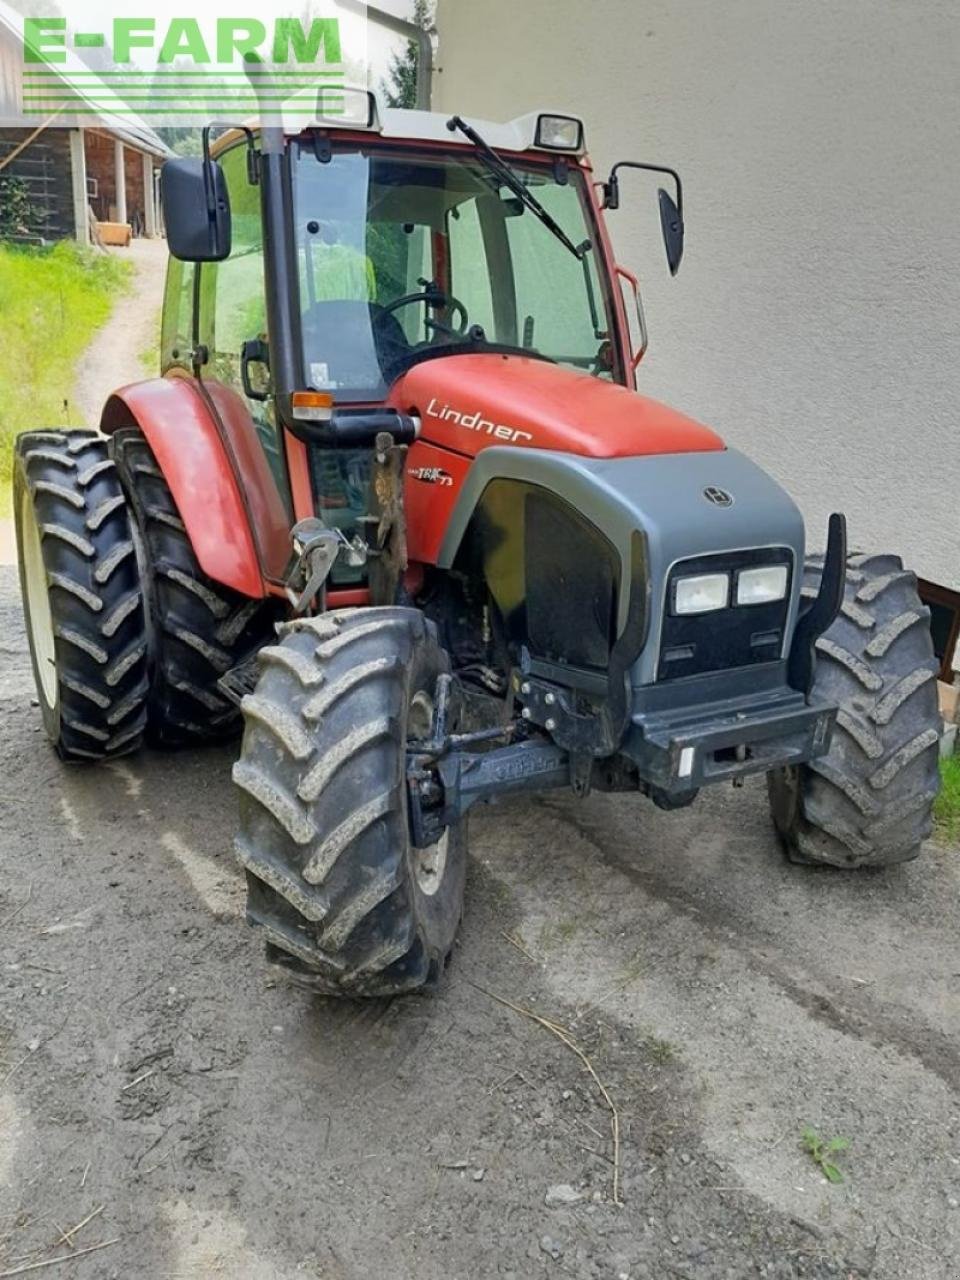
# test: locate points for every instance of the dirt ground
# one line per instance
(232, 1125)
(114, 356)
(203, 1118)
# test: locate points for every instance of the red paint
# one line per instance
(348, 598)
(432, 485)
(267, 515)
(537, 405)
(182, 433)
(634, 356)
(606, 256)
(413, 578)
(298, 465)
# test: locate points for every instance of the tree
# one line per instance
(183, 139)
(400, 87)
(19, 216)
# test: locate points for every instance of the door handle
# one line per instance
(253, 351)
(634, 284)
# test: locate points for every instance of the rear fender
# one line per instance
(183, 434)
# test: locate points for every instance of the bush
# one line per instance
(947, 807)
(54, 300)
(18, 216)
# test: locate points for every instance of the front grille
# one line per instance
(738, 636)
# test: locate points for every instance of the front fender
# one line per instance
(181, 431)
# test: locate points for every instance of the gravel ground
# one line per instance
(117, 353)
(232, 1125)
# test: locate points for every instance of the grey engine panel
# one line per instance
(662, 494)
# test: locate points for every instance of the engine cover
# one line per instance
(686, 506)
(470, 402)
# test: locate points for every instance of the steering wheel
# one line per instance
(433, 296)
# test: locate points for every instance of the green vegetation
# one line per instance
(400, 87)
(19, 215)
(946, 809)
(556, 933)
(54, 299)
(149, 357)
(820, 1152)
(662, 1051)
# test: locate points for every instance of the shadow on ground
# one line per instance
(231, 1124)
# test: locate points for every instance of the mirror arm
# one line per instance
(253, 156)
(611, 188)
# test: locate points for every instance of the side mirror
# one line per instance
(671, 223)
(671, 211)
(196, 209)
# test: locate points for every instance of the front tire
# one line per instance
(341, 897)
(82, 595)
(869, 800)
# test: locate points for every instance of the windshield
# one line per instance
(401, 258)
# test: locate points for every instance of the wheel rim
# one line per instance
(39, 617)
(429, 864)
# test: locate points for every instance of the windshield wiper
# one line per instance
(500, 169)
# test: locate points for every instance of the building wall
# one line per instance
(133, 168)
(44, 166)
(815, 321)
(101, 164)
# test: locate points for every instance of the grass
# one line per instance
(556, 933)
(822, 1150)
(54, 300)
(149, 357)
(946, 810)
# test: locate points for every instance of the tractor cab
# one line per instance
(316, 264)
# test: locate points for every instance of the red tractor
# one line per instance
(396, 507)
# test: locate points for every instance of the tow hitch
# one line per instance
(447, 776)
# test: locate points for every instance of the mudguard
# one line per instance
(190, 451)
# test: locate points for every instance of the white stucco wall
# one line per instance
(816, 318)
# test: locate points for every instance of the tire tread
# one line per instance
(868, 802)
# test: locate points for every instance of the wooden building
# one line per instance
(67, 166)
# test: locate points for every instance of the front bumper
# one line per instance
(690, 733)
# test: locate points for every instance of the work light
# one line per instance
(559, 133)
(345, 105)
(701, 593)
(763, 585)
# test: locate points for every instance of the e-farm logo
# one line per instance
(235, 39)
(96, 62)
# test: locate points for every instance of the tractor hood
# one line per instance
(469, 402)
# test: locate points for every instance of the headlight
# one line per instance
(761, 586)
(702, 593)
(559, 133)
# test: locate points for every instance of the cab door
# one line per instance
(231, 303)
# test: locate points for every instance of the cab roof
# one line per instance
(300, 113)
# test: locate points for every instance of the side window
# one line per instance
(233, 308)
(232, 302)
(176, 329)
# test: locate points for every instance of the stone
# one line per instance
(561, 1194)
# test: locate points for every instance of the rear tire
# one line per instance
(82, 595)
(869, 801)
(343, 900)
(199, 629)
